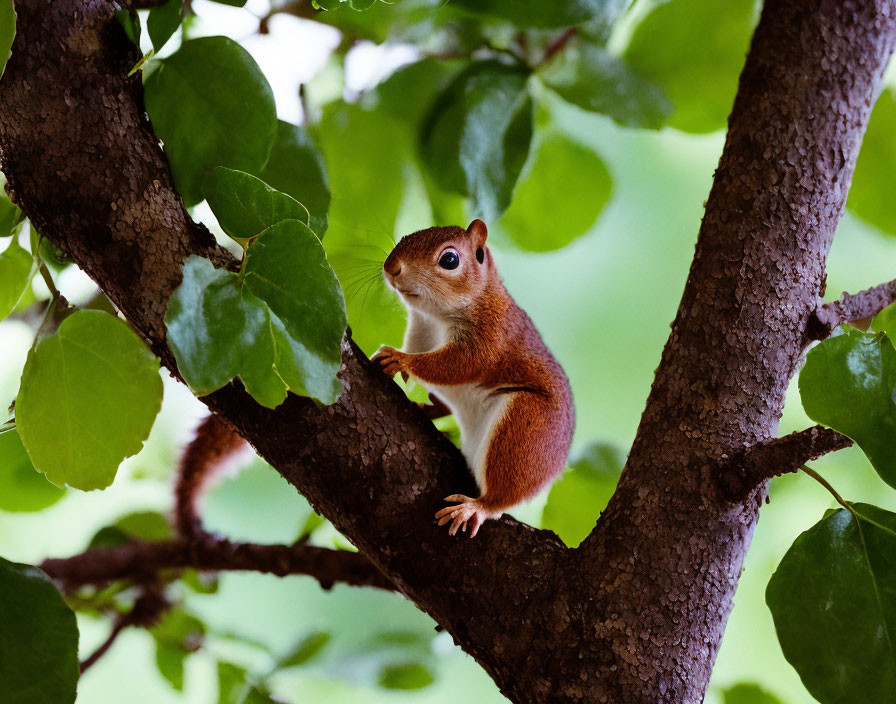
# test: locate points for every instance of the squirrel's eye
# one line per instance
(449, 259)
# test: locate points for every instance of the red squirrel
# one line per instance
(473, 348)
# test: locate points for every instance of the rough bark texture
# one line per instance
(636, 614)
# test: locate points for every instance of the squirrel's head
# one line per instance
(442, 270)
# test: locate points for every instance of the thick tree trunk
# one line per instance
(636, 614)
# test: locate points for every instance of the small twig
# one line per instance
(744, 471)
(849, 307)
(559, 43)
(141, 562)
(48, 280)
(146, 611)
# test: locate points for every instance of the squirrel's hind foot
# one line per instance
(468, 513)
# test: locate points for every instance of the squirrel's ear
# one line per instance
(478, 232)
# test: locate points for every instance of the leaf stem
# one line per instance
(824, 482)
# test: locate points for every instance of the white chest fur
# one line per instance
(478, 410)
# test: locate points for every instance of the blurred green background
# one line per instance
(603, 304)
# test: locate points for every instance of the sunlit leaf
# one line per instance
(565, 179)
(211, 106)
(589, 76)
(477, 134)
(869, 197)
(246, 206)
(38, 640)
(833, 599)
(21, 487)
(163, 22)
(15, 275)
(296, 168)
(578, 497)
(7, 32)
(231, 683)
(848, 383)
(88, 399)
(412, 675)
(277, 325)
(697, 68)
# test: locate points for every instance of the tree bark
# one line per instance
(636, 614)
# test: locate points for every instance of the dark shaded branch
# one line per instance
(747, 469)
(850, 307)
(141, 562)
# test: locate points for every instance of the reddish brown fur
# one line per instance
(494, 345)
(215, 442)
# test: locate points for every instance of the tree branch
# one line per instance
(744, 471)
(141, 562)
(850, 307)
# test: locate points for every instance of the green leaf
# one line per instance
(697, 69)
(211, 106)
(869, 197)
(833, 600)
(848, 384)
(308, 648)
(589, 76)
(412, 675)
(366, 153)
(565, 179)
(10, 215)
(15, 275)
(311, 524)
(130, 23)
(538, 13)
(583, 491)
(477, 134)
(257, 695)
(885, 321)
(176, 636)
(21, 487)
(231, 683)
(142, 525)
(7, 32)
(296, 168)
(88, 399)
(246, 206)
(277, 325)
(163, 22)
(38, 640)
(232, 3)
(745, 693)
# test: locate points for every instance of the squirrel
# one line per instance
(474, 349)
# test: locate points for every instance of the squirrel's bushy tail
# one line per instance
(216, 441)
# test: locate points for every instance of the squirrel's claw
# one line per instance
(466, 514)
(389, 360)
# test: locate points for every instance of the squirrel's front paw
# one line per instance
(391, 360)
